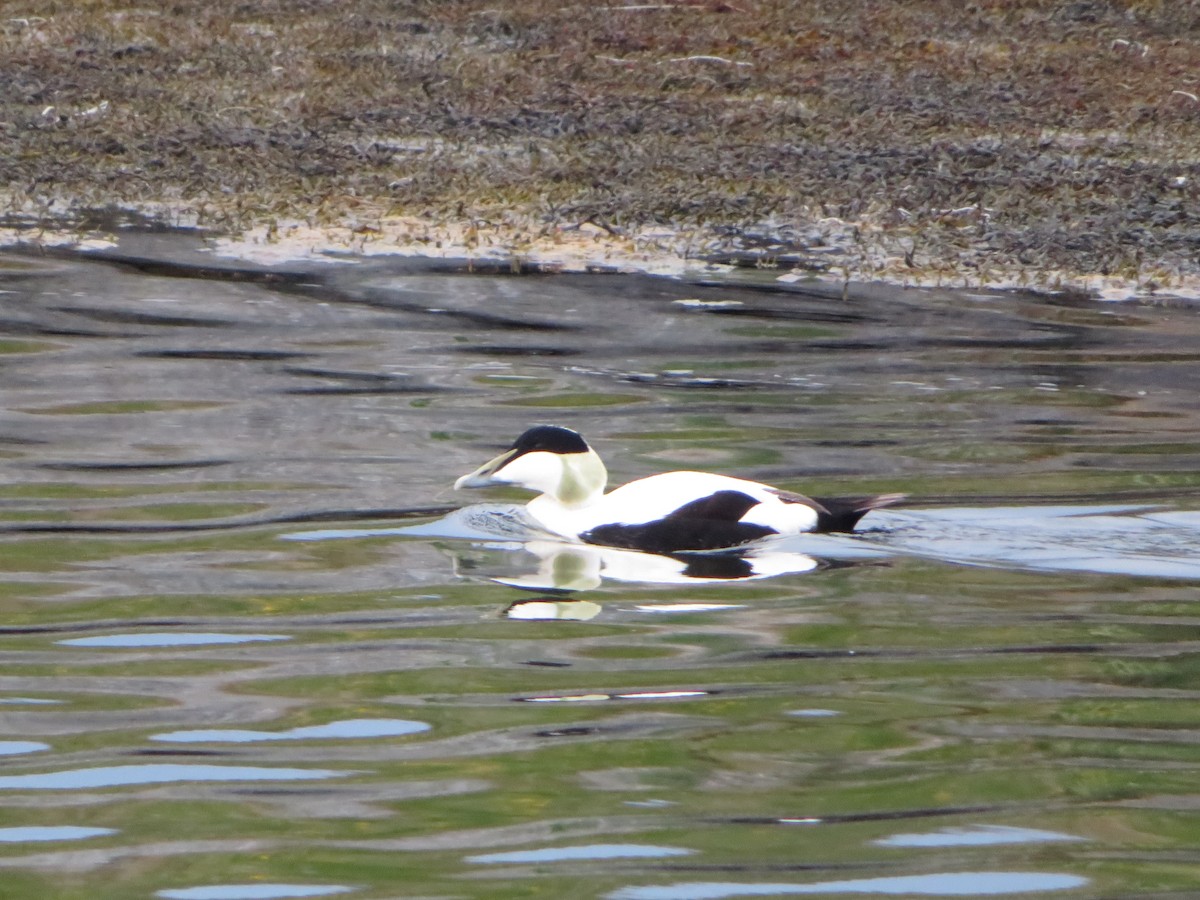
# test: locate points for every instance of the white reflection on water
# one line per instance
(947, 884)
(590, 851)
(169, 639)
(976, 836)
(253, 891)
(346, 728)
(32, 833)
(567, 698)
(635, 695)
(544, 610)
(577, 567)
(13, 748)
(686, 607)
(156, 773)
(537, 561)
(813, 713)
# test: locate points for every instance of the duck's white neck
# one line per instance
(566, 500)
(581, 482)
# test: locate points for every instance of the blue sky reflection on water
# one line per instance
(948, 884)
(589, 851)
(156, 773)
(37, 833)
(16, 748)
(976, 836)
(348, 728)
(169, 639)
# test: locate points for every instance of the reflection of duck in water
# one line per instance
(669, 513)
(576, 567)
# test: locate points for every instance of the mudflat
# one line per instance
(990, 142)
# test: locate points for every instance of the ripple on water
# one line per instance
(346, 728)
(253, 891)
(169, 639)
(1112, 540)
(946, 884)
(141, 530)
(686, 607)
(155, 773)
(28, 701)
(589, 851)
(634, 695)
(35, 833)
(814, 713)
(14, 748)
(976, 836)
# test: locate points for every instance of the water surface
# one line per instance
(248, 644)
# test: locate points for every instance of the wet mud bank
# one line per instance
(1036, 144)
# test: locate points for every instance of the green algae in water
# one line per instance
(13, 347)
(123, 407)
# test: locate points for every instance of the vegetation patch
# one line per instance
(995, 142)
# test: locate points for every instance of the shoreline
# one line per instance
(586, 249)
(1038, 145)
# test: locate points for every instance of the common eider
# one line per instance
(669, 513)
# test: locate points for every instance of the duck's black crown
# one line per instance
(550, 439)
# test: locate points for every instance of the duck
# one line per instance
(668, 513)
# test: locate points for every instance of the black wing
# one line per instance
(710, 523)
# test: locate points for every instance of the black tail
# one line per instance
(843, 513)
